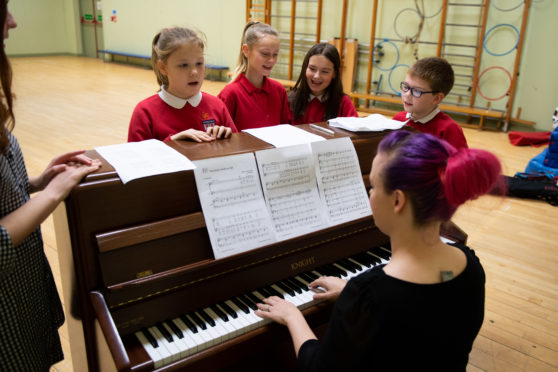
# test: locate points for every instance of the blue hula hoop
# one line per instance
(389, 77)
(396, 60)
(492, 29)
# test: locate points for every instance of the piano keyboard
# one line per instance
(175, 339)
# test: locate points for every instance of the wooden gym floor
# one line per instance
(65, 103)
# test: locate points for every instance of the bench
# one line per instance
(112, 53)
(481, 113)
(208, 67)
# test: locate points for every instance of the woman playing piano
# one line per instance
(426, 306)
(30, 309)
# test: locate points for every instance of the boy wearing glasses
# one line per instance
(428, 81)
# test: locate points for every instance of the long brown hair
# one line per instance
(253, 31)
(6, 111)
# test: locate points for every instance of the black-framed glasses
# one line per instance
(414, 91)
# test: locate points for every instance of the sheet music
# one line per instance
(340, 180)
(289, 184)
(232, 202)
(142, 159)
(370, 123)
(284, 135)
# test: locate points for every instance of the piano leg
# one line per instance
(68, 290)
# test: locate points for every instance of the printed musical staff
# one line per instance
(281, 193)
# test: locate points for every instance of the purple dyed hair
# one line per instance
(435, 176)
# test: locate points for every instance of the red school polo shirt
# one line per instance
(252, 107)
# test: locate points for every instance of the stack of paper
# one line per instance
(371, 123)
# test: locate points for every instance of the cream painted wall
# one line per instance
(45, 27)
(52, 26)
(138, 21)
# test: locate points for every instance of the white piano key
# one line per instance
(153, 353)
(183, 344)
(214, 336)
(224, 329)
(173, 351)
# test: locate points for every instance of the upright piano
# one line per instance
(145, 288)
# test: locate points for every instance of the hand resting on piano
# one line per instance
(395, 315)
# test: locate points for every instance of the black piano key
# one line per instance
(364, 259)
(273, 291)
(285, 287)
(306, 277)
(188, 323)
(381, 253)
(255, 298)
(219, 312)
(294, 285)
(149, 337)
(335, 270)
(249, 301)
(349, 265)
(175, 329)
(311, 275)
(164, 331)
(345, 270)
(208, 319)
(264, 292)
(228, 309)
(241, 305)
(195, 317)
(303, 286)
(324, 271)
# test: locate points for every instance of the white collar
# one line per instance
(426, 118)
(178, 102)
(320, 98)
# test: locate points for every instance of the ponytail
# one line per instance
(253, 31)
(434, 175)
(469, 174)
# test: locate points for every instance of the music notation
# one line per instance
(340, 180)
(232, 202)
(289, 186)
(280, 194)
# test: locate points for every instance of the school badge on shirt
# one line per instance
(207, 122)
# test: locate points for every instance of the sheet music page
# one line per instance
(340, 180)
(142, 159)
(284, 135)
(233, 205)
(289, 182)
(370, 123)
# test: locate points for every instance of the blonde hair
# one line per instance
(253, 31)
(166, 42)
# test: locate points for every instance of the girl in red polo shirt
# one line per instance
(180, 110)
(318, 92)
(253, 99)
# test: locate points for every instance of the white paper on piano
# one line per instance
(284, 135)
(289, 185)
(340, 180)
(370, 123)
(233, 205)
(142, 159)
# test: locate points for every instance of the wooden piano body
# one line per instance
(135, 254)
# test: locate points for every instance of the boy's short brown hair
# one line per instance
(437, 72)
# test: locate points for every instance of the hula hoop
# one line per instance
(395, 22)
(396, 60)
(435, 14)
(389, 78)
(510, 9)
(492, 29)
(494, 68)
